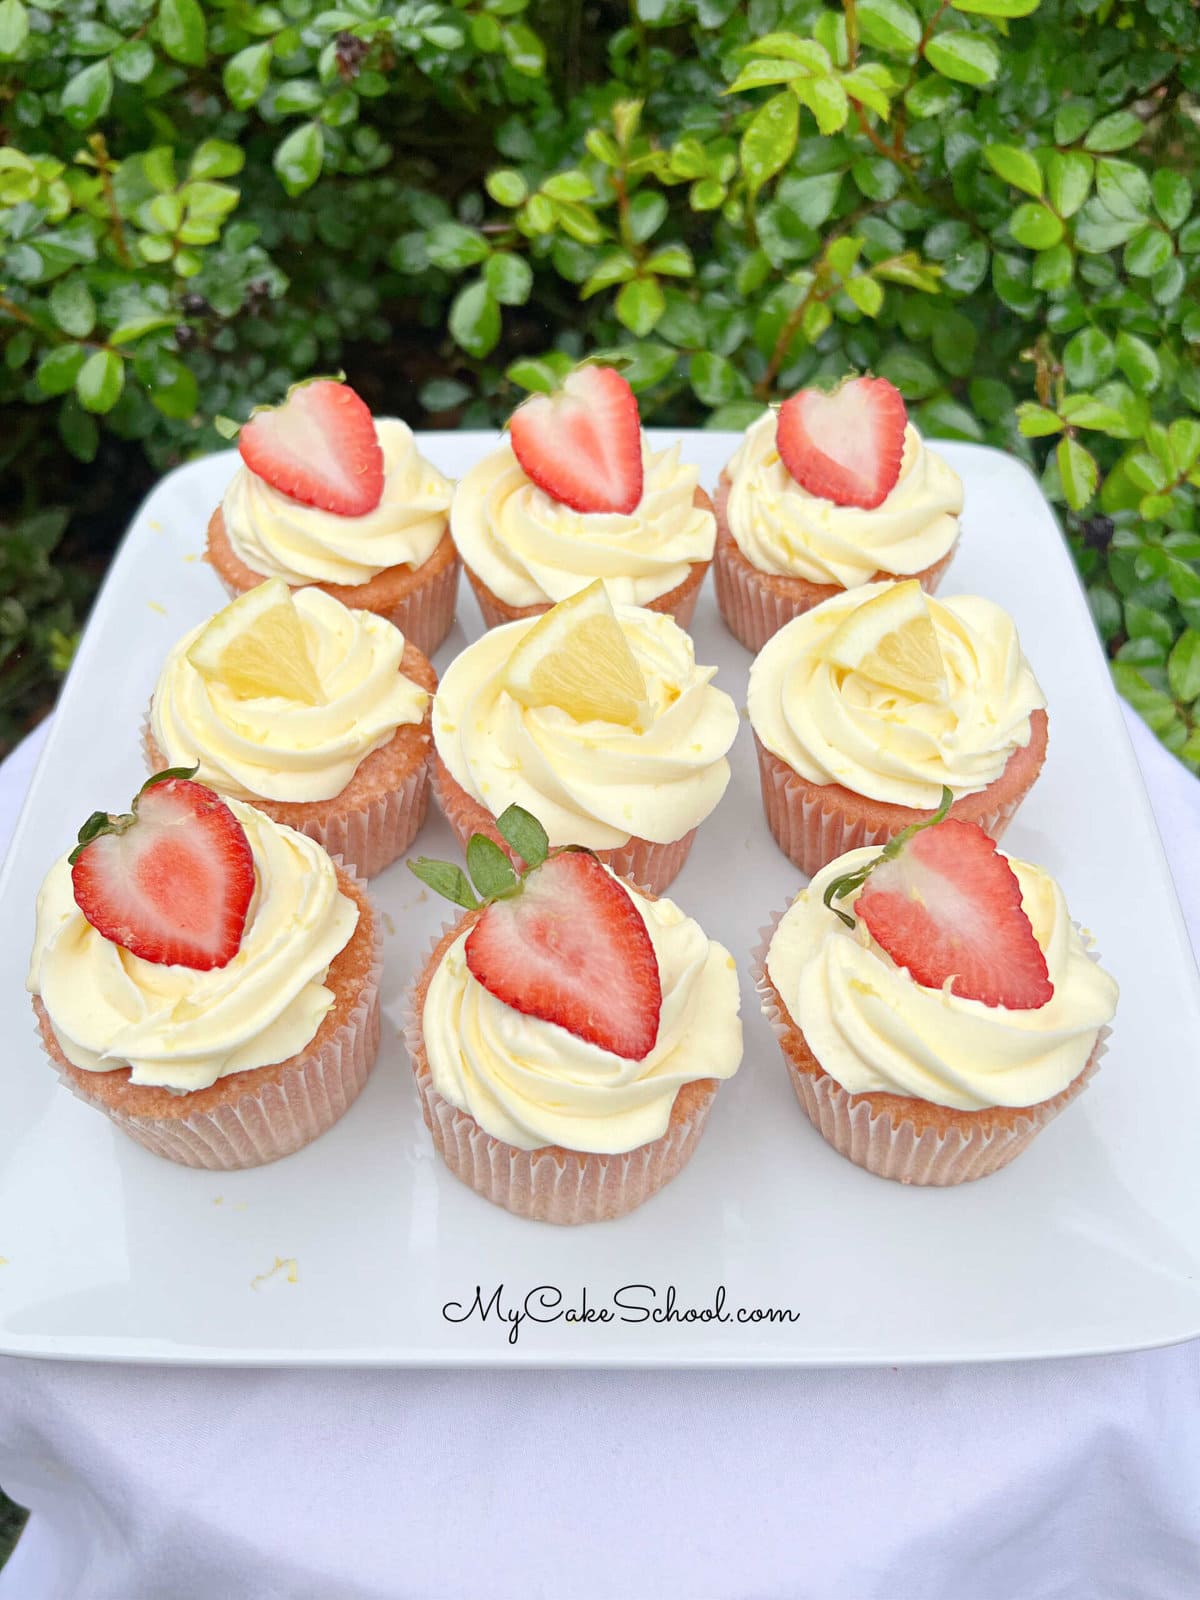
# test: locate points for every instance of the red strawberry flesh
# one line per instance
(583, 445)
(571, 948)
(948, 907)
(175, 885)
(846, 446)
(319, 447)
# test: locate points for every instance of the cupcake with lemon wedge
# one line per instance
(597, 719)
(865, 708)
(316, 714)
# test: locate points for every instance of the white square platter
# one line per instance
(348, 1252)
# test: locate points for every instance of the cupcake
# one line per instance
(328, 496)
(568, 1035)
(935, 1005)
(837, 491)
(864, 708)
(206, 977)
(595, 718)
(316, 714)
(576, 494)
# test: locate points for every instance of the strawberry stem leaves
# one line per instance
(102, 822)
(493, 873)
(839, 888)
(444, 878)
(525, 834)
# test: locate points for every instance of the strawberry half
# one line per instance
(170, 881)
(845, 446)
(571, 948)
(319, 447)
(948, 907)
(583, 444)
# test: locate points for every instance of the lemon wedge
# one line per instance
(890, 639)
(256, 647)
(576, 657)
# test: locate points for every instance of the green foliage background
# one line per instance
(987, 201)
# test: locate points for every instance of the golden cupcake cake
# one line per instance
(568, 1036)
(317, 714)
(329, 496)
(864, 708)
(831, 492)
(598, 720)
(205, 977)
(575, 493)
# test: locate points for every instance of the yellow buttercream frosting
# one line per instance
(529, 549)
(836, 725)
(281, 538)
(181, 1029)
(873, 1028)
(781, 528)
(532, 1083)
(280, 749)
(592, 783)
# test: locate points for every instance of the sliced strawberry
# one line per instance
(583, 444)
(571, 948)
(845, 446)
(318, 447)
(949, 907)
(171, 881)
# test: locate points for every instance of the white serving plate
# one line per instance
(1089, 1242)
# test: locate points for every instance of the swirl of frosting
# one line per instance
(281, 538)
(835, 725)
(278, 749)
(532, 1083)
(779, 527)
(528, 548)
(874, 1028)
(177, 1028)
(591, 783)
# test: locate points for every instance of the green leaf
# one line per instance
(525, 51)
(86, 96)
(454, 247)
(910, 372)
(246, 75)
(1037, 422)
(1088, 358)
(506, 186)
(871, 85)
(135, 327)
(1068, 179)
(133, 61)
(59, 368)
(889, 25)
(1016, 166)
(646, 215)
(1172, 195)
(866, 294)
(618, 266)
(1148, 252)
(1183, 666)
(944, 418)
(539, 377)
(790, 47)
(445, 879)
(715, 380)
(72, 306)
(215, 158)
(569, 185)
(1124, 189)
(827, 101)
(1035, 226)
(1053, 268)
(1072, 120)
(443, 394)
(298, 160)
(474, 320)
(100, 380)
(673, 261)
(811, 200)
(769, 140)
(997, 8)
(1078, 471)
(14, 28)
(639, 305)
(183, 31)
(963, 57)
(525, 834)
(1115, 132)
(491, 871)
(1089, 411)
(509, 277)
(1147, 622)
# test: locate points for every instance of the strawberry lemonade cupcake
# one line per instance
(866, 707)
(569, 1034)
(835, 491)
(935, 1005)
(206, 978)
(317, 714)
(595, 718)
(574, 494)
(326, 495)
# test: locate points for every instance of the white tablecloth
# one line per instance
(1067, 1480)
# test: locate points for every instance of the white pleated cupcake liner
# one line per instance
(367, 837)
(263, 1124)
(566, 1187)
(893, 1148)
(495, 614)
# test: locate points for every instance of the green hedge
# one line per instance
(987, 201)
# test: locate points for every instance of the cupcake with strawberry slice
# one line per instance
(574, 494)
(833, 491)
(317, 714)
(568, 1035)
(326, 495)
(935, 1005)
(596, 718)
(207, 978)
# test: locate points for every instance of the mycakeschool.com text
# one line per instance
(512, 1310)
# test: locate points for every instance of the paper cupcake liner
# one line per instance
(263, 1124)
(367, 837)
(426, 614)
(643, 863)
(550, 1184)
(679, 602)
(891, 1145)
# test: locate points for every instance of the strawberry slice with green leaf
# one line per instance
(582, 445)
(846, 445)
(319, 447)
(170, 880)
